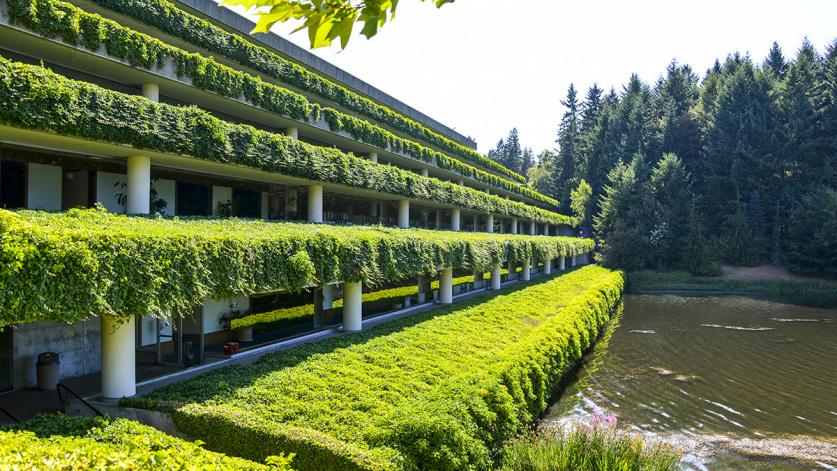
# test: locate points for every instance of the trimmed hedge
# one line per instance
(168, 18)
(33, 97)
(442, 389)
(62, 442)
(81, 263)
(57, 19)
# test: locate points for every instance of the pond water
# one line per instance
(736, 382)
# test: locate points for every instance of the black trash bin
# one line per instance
(49, 370)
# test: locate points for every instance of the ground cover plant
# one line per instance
(74, 26)
(35, 98)
(83, 263)
(56, 441)
(438, 390)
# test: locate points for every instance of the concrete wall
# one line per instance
(215, 309)
(220, 194)
(78, 346)
(106, 192)
(148, 330)
(44, 187)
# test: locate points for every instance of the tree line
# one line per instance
(736, 166)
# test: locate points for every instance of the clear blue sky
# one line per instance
(485, 66)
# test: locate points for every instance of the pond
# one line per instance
(736, 382)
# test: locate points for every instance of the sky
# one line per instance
(485, 66)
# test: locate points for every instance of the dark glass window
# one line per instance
(6, 359)
(12, 184)
(192, 199)
(247, 203)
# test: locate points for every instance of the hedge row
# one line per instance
(438, 390)
(74, 443)
(178, 23)
(74, 265)
(33, 97)
(57, 19)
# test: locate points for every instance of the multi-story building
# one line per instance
(216, 144)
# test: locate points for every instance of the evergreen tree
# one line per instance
(569, 148)
(695, 248)
(737, 239)
(581, 202)
(776, 62)
(680, 131)
(672, 190)
(527, 161)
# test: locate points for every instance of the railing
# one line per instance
(60, 386)
(8, 414)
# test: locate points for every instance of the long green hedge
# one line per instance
(57, 19)
(33, 97)
(168, 18)
(74, 265)
(438, 390)
(75, 443)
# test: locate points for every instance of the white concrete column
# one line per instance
(423, 283)
(489, 223)
(139, 185)
(425, 172)
(572, 264)
(531, 227)
(373, 210)
(547, 267)
(511, 268)
(562, 263)
(479, 281)
(527, 268)
(404, 213)
(118, 358)
(476, 222)
(315, 203)
(151, 91)
(446, 286)
(461, 182)
(514, 226)
(454, 219)
(373, 156)
(329, 293)
(438, 219)
(495, 277)
(352, 306)
(292, 132)
(264, 213)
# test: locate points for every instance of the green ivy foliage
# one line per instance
(82, 263)
(57, 441)
(33, 97)
(53, 18)
(442, 389)
(199, 32)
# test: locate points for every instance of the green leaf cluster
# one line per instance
(53, 18)
(82, 263)
(35, 98)
(163, 15)
(75, 443)
(442, 389)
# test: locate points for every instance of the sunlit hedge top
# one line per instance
(168, 18)
(69, 266)
(33, 97)
(72, 25)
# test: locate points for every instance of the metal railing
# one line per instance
(61, 398)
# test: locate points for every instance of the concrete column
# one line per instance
(489, 224)
(423, 287)
(151, 91)
(562, 263)
(438, 219)
(373, 156)
(461, 182)
(514, 226)
(531, 227)
(264, 209)
(547, 267)
(454, 219)
(446, 286)
(404, 213)
(139, 185)
(478, 279)
(495, 277)
(352, 307)
(329, 293)
(425, 172)
(292, 132)
(572, 264)
(118, 358)
(373, 210)
(476, 222)
(512, 272)
(315, 203)
(527, 268)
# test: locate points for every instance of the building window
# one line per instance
(247, 203)
(6, 381)
(193, 199)
(12, 184)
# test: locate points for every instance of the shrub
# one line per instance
(812, 233)
(438, 390)
(35, 98)
(61, 442)
(52, 18)
(83, 263)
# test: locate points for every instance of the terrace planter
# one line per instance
(244, 334)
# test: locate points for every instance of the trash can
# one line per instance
(49, 370)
